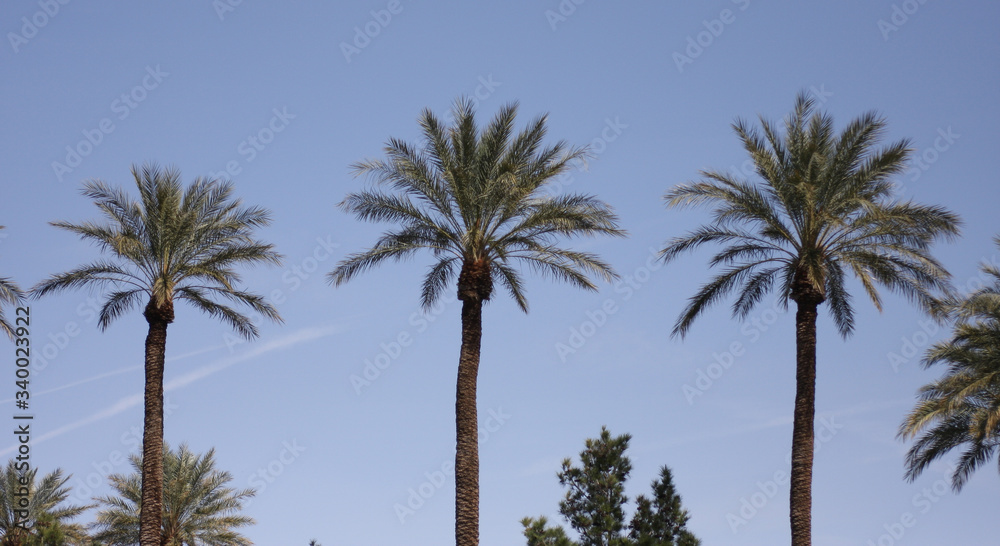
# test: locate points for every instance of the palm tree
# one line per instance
(31, 509)
(10, 294)
(476, 200)
(198, 508)
(171, 244)
(822, 209)
(963, 407)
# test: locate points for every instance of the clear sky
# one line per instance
(285, 96)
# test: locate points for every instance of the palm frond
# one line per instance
(472, 195)
(198, 505)
(960, 410)
(821, 207)
(172, 239)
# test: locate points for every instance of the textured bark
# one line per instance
(467, 427)
(800, 496)
(151, 507)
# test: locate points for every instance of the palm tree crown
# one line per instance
(173, 243)
(822, 210)
(198, 507)
(45, 508)
(476, 202)
(963, 407)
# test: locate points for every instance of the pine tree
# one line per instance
(661, 521)
(595, 502)
(539, 533)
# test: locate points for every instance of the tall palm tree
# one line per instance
(476, 200)
(822, 208)
(10, 294)
(962, 408)
(198, 507)
(171, 244)
(29, 511)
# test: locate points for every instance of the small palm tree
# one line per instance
(476, 200)
(198, 508)
(822, 210)
(32, 510)
(963, 407)
(10, 294)
(171, 244)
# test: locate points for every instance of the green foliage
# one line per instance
(594, 503)
(174, 242)
(822, 209)
(595, 500)
(539, 533)
(198, 507)
(10, 294)
(48, 532)
(49, 519)
(661, 520)
(478, 198)
(962, 408)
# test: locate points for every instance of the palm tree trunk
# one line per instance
(800, 496)
(467, 425)
(151, 507)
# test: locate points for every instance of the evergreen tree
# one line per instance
(539, 534)
(594, 505)
(661, 521)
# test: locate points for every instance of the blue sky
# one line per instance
(283, 97)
